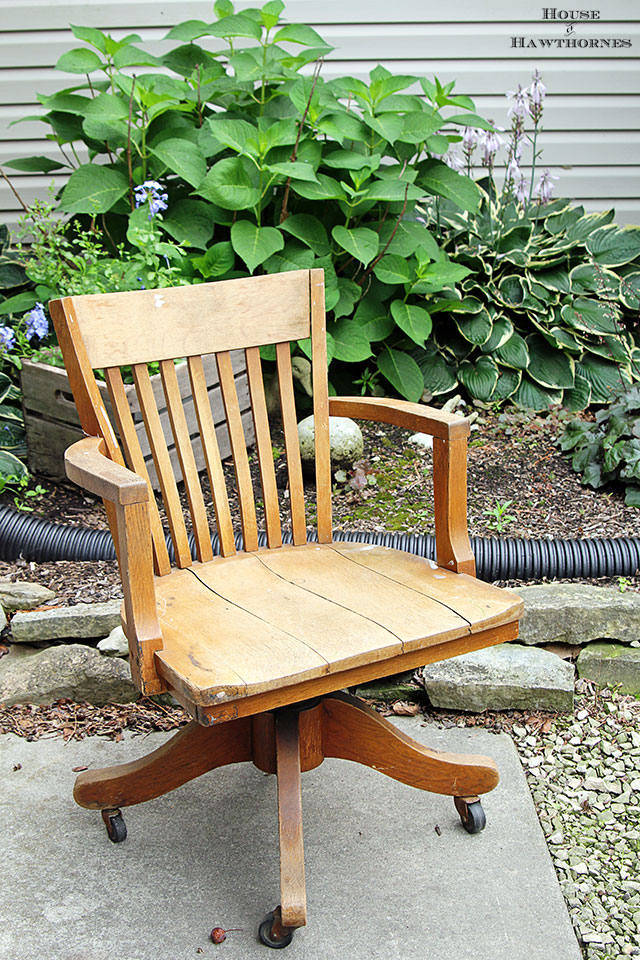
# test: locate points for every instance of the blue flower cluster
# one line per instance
(7, 339)
(151, 190)
(37, 324)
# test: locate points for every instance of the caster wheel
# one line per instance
(272, 933)
(116, 827)
(471, 814)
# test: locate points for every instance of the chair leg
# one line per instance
(192, 751)
(353, 731)
(293, 897)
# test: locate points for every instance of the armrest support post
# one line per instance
(126, 497)
(453, 549)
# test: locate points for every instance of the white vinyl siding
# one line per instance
(591, 135)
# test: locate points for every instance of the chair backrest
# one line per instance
(108, 331)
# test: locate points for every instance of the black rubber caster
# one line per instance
(272, 933)
(116, 827)
(471, 814)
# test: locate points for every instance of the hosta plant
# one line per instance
(548, 312)
(267, 168)
(608, 449)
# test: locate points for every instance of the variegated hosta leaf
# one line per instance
(533, 396)
(548, 367)
(479, 377)
(606, 378)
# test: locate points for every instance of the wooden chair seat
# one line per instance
(255, 622)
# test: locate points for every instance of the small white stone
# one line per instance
(345, 440)
(421, 441)
(115, 645)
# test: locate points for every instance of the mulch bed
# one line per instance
(513, 456)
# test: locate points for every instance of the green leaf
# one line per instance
(10, 466)
(508, 383)
(230, 185)
(184, 60)
(190, 221)
(236, 25)
(580, 229)
(233, 133)
(548, 367)
(475, 327)
(292, 257)
(532, 396)
(90, 35)
(310, 230)
(500, 333)
(470, 120)
(93, 189)
(299, 33)
(373, 315)
(606, 379)
(439, 376)
(556, 278)
(632, 495)
(511, 290)
(350, 341)
(479, 377)
(255, 244)
(418, 126)
(131, 56)
(439, 179)
(188, 30)
(349, 294)
(223, 8)
(184, 158)
(326, 188)
(415, 321)
(611, 246)
(408, 237)
(218, 260)
(589, 278)
(35, 164)
(270, 13)
(402, 372)
(19, 303)
(393, 191)
(388, 125)
(343, 126)
(12, 274)
(592, 316)
(393, 269)
(79, 60)
(579, 397)
(360, 242)
(294, 169)
(514, 352)
(348, 160)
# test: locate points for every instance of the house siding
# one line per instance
(591, 136)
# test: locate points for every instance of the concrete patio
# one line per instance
(382, 882)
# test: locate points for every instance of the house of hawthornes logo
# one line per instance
(572, 34)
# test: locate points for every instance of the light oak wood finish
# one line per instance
(247, 640)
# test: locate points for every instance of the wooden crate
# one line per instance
(52, 422)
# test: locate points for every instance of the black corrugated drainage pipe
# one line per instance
(497, 558)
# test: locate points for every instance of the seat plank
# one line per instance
(409, 615)
(480, 603)
(340, 636)
(215, 650)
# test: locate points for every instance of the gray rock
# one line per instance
(22, 595)
(115, 645)
(345, 439)
(83, 620)
(398, 687)
(68, 670)
(578, 613)
(506, 677)
(612, 663)
(422, 442)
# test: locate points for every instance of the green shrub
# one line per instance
(267, 169)
(609, 449)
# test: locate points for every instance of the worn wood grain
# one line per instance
(239, 449)
(292, 445)
(293, 898)
(264, 448)
(401, 413)
(320, 406)
(453, 549)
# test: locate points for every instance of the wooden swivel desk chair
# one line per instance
(255, 644)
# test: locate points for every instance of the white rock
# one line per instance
(115, 645)
(421, 441)
(345, 440)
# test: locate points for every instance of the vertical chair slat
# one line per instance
(292, 445)
(162, 463)
(321, 406)
(187, 460)
(264, 448)
(212, 456)
(239, 451)
(135, 460)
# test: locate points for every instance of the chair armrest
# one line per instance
(401, 413)
(126, 497)
(87, 466)
(453, 549)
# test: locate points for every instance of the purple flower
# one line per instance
(537, 89)
(37, 324)
(513, 169)
(544, 188)
(454, 161)
(7, 339)
(489, 142)
(151, 190)
(521, 190)
(520, 104)
(469, 138)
